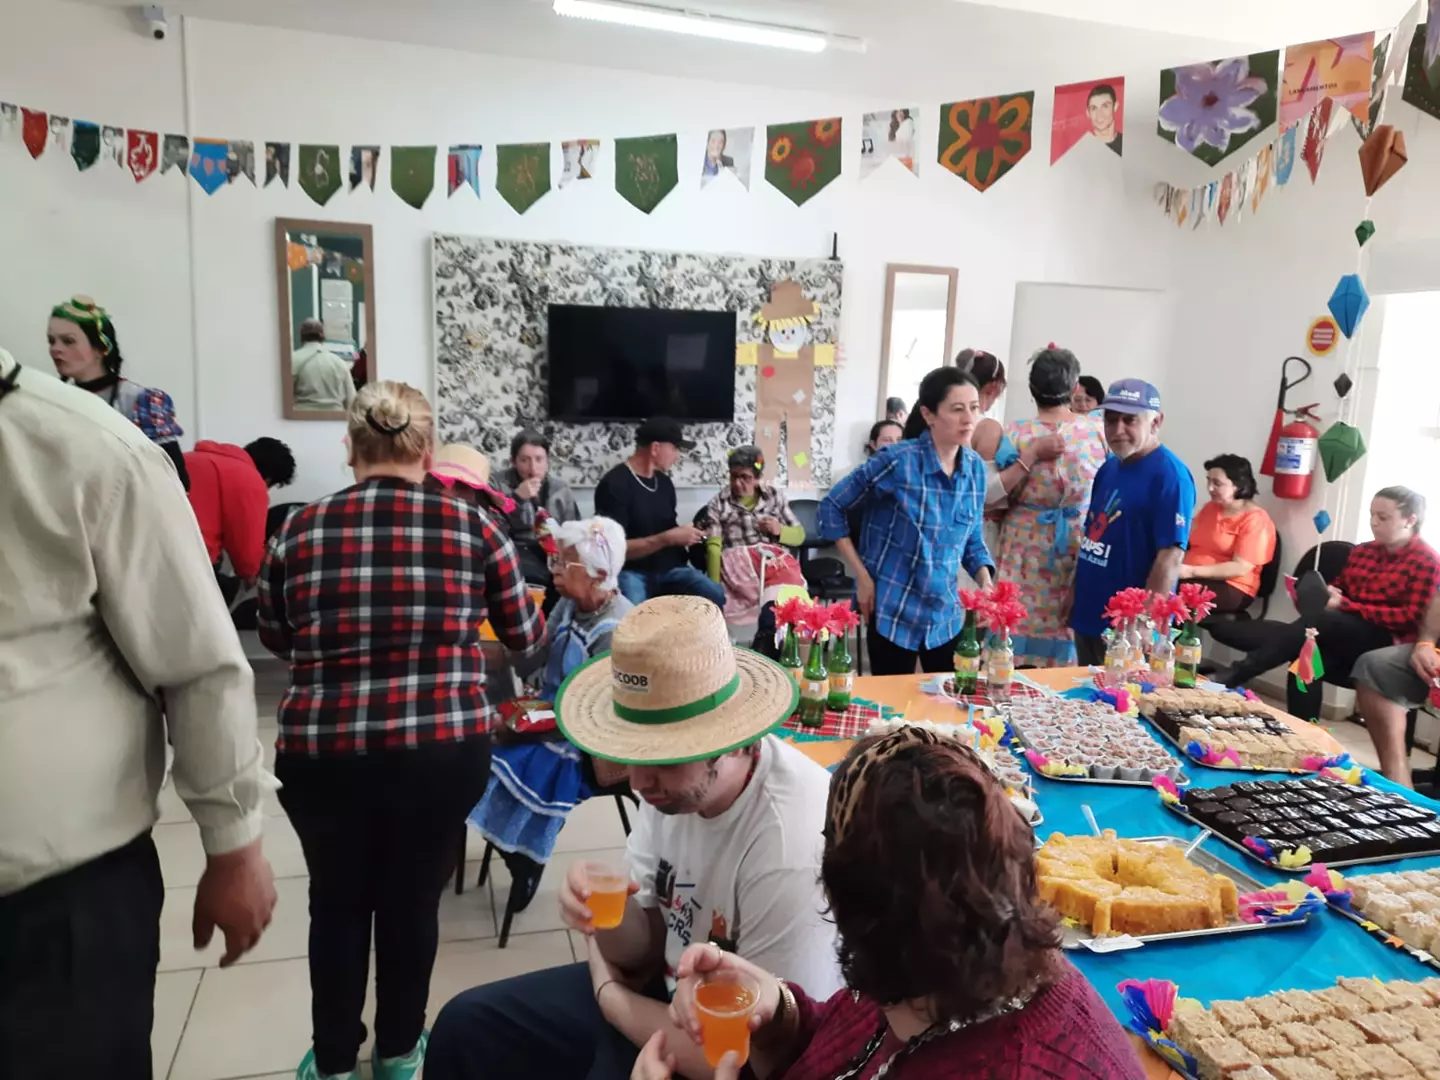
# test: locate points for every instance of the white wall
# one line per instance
(132, 247)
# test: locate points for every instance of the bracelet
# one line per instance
(1021, 462)
(599, 989)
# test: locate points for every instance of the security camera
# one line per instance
(155, 21)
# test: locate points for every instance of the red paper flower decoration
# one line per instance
(1125, 605)
(841, 617)
(1198, 600)
(787, 612)
(1165, 608)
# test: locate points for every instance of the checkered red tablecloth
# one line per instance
(982, 698)
(850, 724)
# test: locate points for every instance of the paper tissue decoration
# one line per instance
(1322, 521)
(1348, 303)
(1382, 155)
(1343, 385)
(1364, 231)
(1340, 447)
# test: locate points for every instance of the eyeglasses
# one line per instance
(559, 565)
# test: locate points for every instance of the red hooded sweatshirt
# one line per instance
(230, 500)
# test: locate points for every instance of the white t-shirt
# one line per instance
(749, 879)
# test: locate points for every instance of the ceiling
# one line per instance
(930, 48)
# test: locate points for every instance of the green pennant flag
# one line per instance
(412, 173)
(522, 173)
(85, 144)
(646, 170)
(801, 159)
(321, 171)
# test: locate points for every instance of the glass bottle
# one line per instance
(1117, 657)
(1136, 664)
(841, 666)
(790, 656)
(1000, 666)
(1162, 658)
(967, 657)
(1187, 655)
(814, 687)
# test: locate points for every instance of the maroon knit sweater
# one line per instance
(1065, 1033)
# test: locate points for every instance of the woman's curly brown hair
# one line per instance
(931, 881)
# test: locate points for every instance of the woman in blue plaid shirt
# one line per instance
(924, 506)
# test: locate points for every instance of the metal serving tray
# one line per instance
(1397, 857)
(1019, 733)
(1223, 768)
(1076, 936)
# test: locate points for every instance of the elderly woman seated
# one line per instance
(1231, 539)
(953, 964)
(539, 496)
(534, 786)
(747, 519)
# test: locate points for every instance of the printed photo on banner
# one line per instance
(464, 168)
(60, 134)
(727, 150)
(364, 161)
(277, 163)
(1432, 47)
(175, 154)
(1212, 109)
(886, 135)
(240, 161)
(9, 123)
(1095, 109)
(112, 145)
(577, 159)
(1419, 91)
(1336, 68)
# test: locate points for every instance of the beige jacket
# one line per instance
(107, 603)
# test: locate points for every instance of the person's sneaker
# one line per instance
(401, 1068)
(308, 1070)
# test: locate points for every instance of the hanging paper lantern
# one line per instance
(1322, 521)
(1340, 447)
(1382, 155)
(1364, 231)
(1343, 384)
(1348, 303)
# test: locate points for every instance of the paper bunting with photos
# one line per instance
(240, 161)
(463, 167)
(646, 170)
(210, 164)
(364, 164)
(1378, 86)
(320, 171)
(1419, 90)
(412, 173)
(1212, 110)
(802, 159)
(522, 173)
(142, 153)
(577, 160)
(1094, 109)
(277, 163)
(981, 140)
(9, 123)
(1339, 69)
(112, 145)
(85, 144)
(175, 154)
(728, 151)
(888, 136)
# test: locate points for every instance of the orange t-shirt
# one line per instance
(1215, 538)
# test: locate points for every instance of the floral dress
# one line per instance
(1040, 539)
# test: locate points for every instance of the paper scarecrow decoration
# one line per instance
(785, 387)
(1340, 447)
(522, 174)
(802, 159)
(983, 139)
(646, 170)
(1364, 231)
(1348, 303)
(1382, 155)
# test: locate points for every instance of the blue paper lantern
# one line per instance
(1322, 521)
(1348, 303)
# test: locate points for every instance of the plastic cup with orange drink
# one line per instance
(724, 1001)
(609, 885)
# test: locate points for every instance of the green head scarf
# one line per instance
(85, 312)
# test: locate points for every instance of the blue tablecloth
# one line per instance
(1306, 958)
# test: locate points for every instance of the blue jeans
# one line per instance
(545, 1024)
(681, 581)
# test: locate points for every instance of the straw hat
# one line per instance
(460, 462)
(673, 689)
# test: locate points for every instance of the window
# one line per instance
(1404, 437)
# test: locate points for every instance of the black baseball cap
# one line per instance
(662, 429)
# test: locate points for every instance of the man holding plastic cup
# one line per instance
(726, 849)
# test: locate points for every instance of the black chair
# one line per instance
(1248, 632)
(825, 575)
(1269, 578)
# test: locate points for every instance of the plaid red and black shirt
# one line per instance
(1066, 1031)
(375, 595)
(1391, 589)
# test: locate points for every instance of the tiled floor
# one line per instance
(253, 1020)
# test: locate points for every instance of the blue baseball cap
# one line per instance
(1131, 396)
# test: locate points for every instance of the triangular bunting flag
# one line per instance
(364, 164)
(142, 153)
(240, 160)
(35, 129)
(209, 164)
(802, 159)
(522, 173)
(175, 154)
(277, 163)
(646, 170)
(320, 171)
(412, 173)
(85, 146)
(464, 167)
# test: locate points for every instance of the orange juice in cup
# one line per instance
(537, 595)
(724, 1001)
(609, 886)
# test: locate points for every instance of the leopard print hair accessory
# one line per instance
(852, 775)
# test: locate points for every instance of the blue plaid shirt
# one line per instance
(919, 527)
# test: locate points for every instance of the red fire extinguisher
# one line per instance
(1295, 453)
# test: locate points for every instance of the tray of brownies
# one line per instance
(1227, 731)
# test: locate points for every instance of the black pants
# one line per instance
(1344, 637)
(1227, 597)
(544, 1024)
(887, 658)
(378, 831)
(1089, 651)
(78, 953)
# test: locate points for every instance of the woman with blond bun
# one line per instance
(374, 596)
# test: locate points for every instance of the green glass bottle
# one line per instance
(790, 656)
(841, 666)
(1187, 656)
(967, 657)
(814, 687)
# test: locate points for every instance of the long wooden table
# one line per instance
(903, 692)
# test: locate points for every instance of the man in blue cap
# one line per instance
(1139, 521)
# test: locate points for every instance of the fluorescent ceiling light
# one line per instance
(699, 24)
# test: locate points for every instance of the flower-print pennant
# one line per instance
(983, 139)
(209, 164)
(522, 173)
(142, 153)
(646, 170)
(1212, 109)
(802, 159)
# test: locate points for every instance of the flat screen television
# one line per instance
(625, 364)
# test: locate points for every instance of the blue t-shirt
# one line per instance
(1136, 511)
